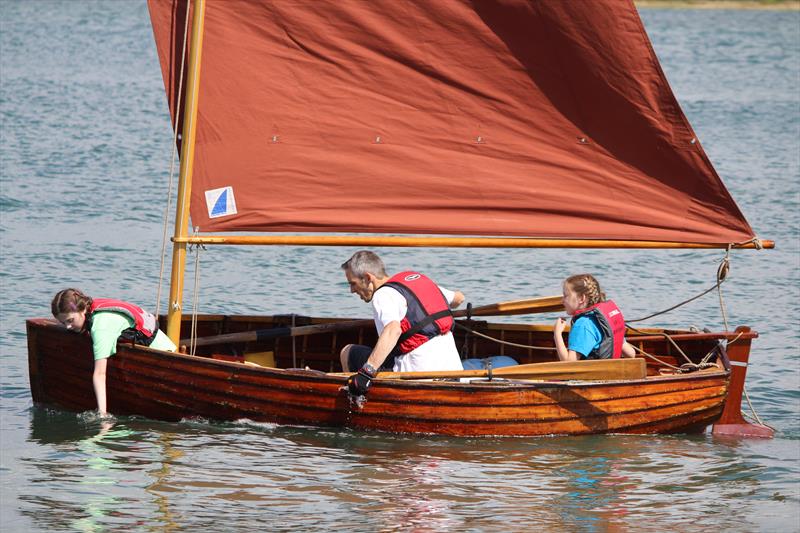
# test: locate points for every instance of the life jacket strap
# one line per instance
(416, 328)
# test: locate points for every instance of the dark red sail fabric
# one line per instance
(505, 118)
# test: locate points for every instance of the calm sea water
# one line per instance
(85, 159)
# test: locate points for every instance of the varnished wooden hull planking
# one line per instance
(171, 387)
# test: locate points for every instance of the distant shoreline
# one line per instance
(772, 5)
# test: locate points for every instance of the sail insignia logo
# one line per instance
(220, 202)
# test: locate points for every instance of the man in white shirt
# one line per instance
(412, 317)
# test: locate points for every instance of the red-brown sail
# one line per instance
(505, 118)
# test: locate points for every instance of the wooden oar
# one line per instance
(544, 304)
(595, 369)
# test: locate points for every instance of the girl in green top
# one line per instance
(106, 321)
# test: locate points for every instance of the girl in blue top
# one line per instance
(580, 292)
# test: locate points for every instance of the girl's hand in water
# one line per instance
(105, 425)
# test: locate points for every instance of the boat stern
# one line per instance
(735, 358)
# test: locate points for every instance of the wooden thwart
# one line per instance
(596, 369)
(543, 304)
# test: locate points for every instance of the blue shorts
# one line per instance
(498, 361)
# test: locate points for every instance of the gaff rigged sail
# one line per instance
(547, 119)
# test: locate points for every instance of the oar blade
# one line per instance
(543, 304)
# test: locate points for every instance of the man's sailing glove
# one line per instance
(359, 383)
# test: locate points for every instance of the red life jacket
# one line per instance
(145, 325)
(428, 313)
(612, 328)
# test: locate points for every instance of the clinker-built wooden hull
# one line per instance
(168, 386)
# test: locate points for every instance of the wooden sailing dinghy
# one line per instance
(449, 123)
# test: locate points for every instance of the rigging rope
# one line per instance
(724, 267)
(755, 241)
(666, 336)
(722, 274)
(498, 341)
(195, 297)
(172, 162)
(689, 366)
(656, 359)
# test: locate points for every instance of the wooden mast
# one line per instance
(185, 179)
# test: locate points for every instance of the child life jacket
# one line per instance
(428, 313)
(145, 325)
(612, 328)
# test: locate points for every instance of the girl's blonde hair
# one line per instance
(586, 285)
(70, 301)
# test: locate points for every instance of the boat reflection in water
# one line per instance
(204, 473)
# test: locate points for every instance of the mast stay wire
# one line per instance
(195, 297)
(172, 162)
